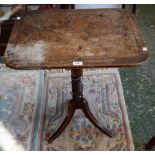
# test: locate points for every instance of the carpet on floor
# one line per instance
(103, 91)
(30, 111)
(20, 101)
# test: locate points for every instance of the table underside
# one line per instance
(76, 38)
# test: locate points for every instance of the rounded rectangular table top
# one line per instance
(76, 38)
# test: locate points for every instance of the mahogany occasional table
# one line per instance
(76, 39)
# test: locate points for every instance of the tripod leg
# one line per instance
(70, 113)
(150, 144)
(92, 119)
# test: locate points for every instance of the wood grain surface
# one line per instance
(76, 39)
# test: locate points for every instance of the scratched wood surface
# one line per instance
(95, 38)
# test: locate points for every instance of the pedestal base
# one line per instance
(78, 102)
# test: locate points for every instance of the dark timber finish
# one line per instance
(150, 144)
(78, 102)
(76, 39)
(57, 38)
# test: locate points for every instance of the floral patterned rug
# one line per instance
(20, 103)
(103, 91)
(30, 111)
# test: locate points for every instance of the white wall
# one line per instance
(90, 6)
